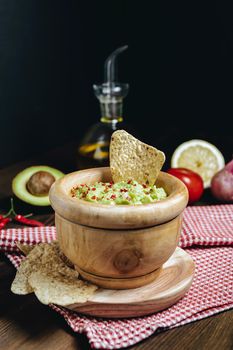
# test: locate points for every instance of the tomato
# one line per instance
(192, 180)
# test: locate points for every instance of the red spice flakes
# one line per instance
(93, 189)
(93, 197)
(129, 182)
(110, 185)
(123, 190)
(144, 185)
(113, 196)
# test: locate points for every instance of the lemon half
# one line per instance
(199, 156)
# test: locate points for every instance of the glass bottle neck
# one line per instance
(111, 109)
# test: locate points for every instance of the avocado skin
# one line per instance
(19, 185)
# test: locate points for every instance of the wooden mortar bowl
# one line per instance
(117, 246)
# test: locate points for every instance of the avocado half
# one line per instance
(20, 189)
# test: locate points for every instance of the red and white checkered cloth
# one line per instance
(209, 230)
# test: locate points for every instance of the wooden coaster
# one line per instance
(170, 284)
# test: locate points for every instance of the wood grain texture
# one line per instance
(118, 254)
(141, 239)
(172, 282)
(25, 324)
(119, 283)
(121, 216)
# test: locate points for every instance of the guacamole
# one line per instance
(119, 193)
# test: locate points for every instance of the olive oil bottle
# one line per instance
(93, 151)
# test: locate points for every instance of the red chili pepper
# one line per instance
(93, 189)
(113, 196)
(4, 221)
(2, 225)
(30, 222)
(93, 197)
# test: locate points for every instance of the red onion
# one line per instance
(222, 184)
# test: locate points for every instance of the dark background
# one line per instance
(178, 65)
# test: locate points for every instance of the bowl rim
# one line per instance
(78, 210)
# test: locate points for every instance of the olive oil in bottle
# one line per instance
(93, 150)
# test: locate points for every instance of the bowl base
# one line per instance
(119, 283)
(173, 281)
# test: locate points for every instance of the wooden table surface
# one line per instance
(27, 324)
